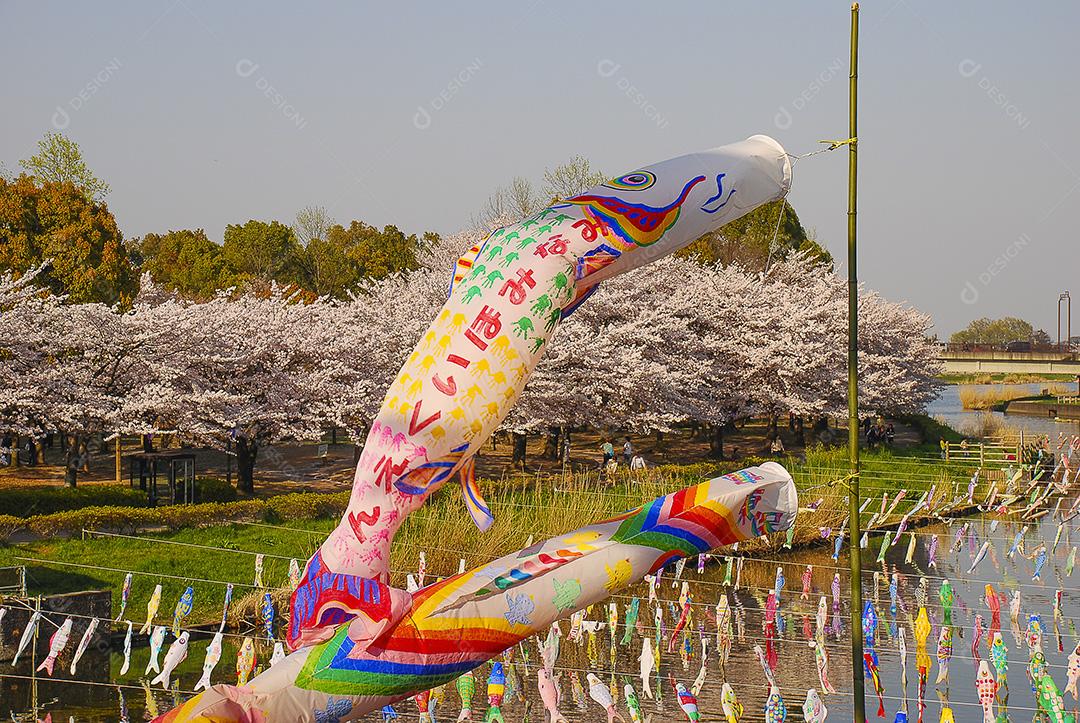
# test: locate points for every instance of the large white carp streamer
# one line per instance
(457, 624)
(360, 643)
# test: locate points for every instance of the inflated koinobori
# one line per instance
(507, 296)
(459, 623)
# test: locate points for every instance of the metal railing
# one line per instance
(13, 581)
(1016, 346)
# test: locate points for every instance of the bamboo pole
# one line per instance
(858, 705)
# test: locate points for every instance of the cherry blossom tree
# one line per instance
(667, 344)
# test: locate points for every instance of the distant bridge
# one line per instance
(1008, 359)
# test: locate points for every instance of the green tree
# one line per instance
(377, 254)
(59, 160)
(753, 240)
(322, 265)
(994, 331)
(325, 267)
(54, 222)
(261, 251)
(184, 261)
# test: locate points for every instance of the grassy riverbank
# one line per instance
(1003, 378)
(984, 399)
(209, 556)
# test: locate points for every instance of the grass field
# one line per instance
(209, 557)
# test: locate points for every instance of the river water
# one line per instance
(947, 408)
(112, 696)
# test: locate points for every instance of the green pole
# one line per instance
(859, 712)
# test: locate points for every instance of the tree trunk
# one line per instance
(564, 446)
(520, 440)
(716, 441)
(246, 452)
(551, 442)
(72, 461)
(84, 454)
(771, 432)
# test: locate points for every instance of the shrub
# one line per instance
(127, 520)
(214, 489)
(307, 505)
(46, 500)
(9, 524)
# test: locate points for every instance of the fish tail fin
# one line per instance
(429, 476)
(474, 501)
(161, 678)
(47, 665)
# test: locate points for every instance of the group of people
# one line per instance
(878, 433)
(631, 458)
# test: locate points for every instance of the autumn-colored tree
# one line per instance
(184, 261)
(55, 224)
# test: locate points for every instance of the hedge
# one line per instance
(32, 501)
(296, 506)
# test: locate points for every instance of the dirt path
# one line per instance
(329, 467)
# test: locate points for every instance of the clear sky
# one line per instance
(203, 113)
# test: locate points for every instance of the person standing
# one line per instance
(608, 450)
(627, 451)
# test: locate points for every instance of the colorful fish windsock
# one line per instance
(508, 293)
(125, 593)
(455, 625)
(948, 597)
(183, 609)
(922, 658)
